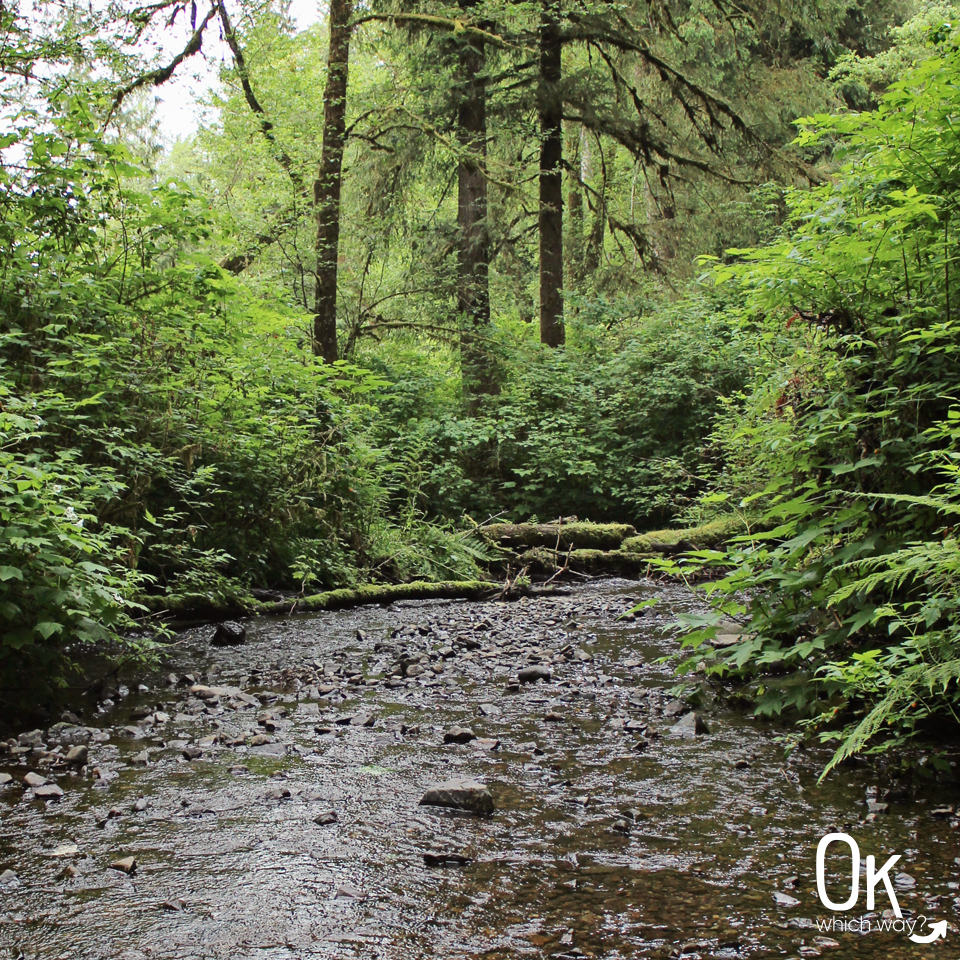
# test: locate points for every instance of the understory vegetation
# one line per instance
(518, 263)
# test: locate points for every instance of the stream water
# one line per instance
(612, 837)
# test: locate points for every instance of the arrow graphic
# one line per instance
(939, 930)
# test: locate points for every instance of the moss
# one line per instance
(580, 535)
(712, 534)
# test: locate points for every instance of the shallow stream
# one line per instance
(612, 836)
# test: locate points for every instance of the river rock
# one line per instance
(192, 753)
(9, 879)
(229, 634)
(49, 791)
(34, 780)
(326, 818)
(33, 739)
(444, 858)
(534, 673)
(691, 725)
(459, 735)
(785, 900)
(77, 756)
(126, 865)
(463, 794)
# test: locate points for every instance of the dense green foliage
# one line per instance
(847, 439)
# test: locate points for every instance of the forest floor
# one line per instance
(269, 794)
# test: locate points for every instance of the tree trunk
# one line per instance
(326, 188)
(473, 243)
(551, 183)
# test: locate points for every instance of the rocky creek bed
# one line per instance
(263, 801)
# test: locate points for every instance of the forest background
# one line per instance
(424, 267)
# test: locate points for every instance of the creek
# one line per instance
(296, 831)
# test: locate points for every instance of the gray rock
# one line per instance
(32, 739)
(34, 780)
(192, 753)
(49, 791)
(274, 750)
(77, 756)
(877, 806)
(9, 879)
(229, 634)
(125, 865)
(459, 735)
(5, 779)
(463, 794)
(534, 673)
(326, 818)
(691, 725)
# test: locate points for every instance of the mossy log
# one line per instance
(579, 535)
(382, 593)
(705, 537)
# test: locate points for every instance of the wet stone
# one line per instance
(459, 735)
(49, 791)
(691, 725)
(9, 879)
(461, 794)
(124, 865)
(77, 756)
(533, 674)
(229, 634)
(34, 780)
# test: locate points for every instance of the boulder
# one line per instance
(691, 725)
(463, 794)
(229, 634)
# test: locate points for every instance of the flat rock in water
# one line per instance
(126, 865)
(464, 794)
(444, 858)
(533, 674)
(785, 900)
(269, 750)
(229, 634)
(691, 725)
(49, 791)
(34, 780)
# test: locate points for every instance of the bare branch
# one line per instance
(160, 76)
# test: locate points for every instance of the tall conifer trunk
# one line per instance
(552, 331)
(326, 188)
(473, 244)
